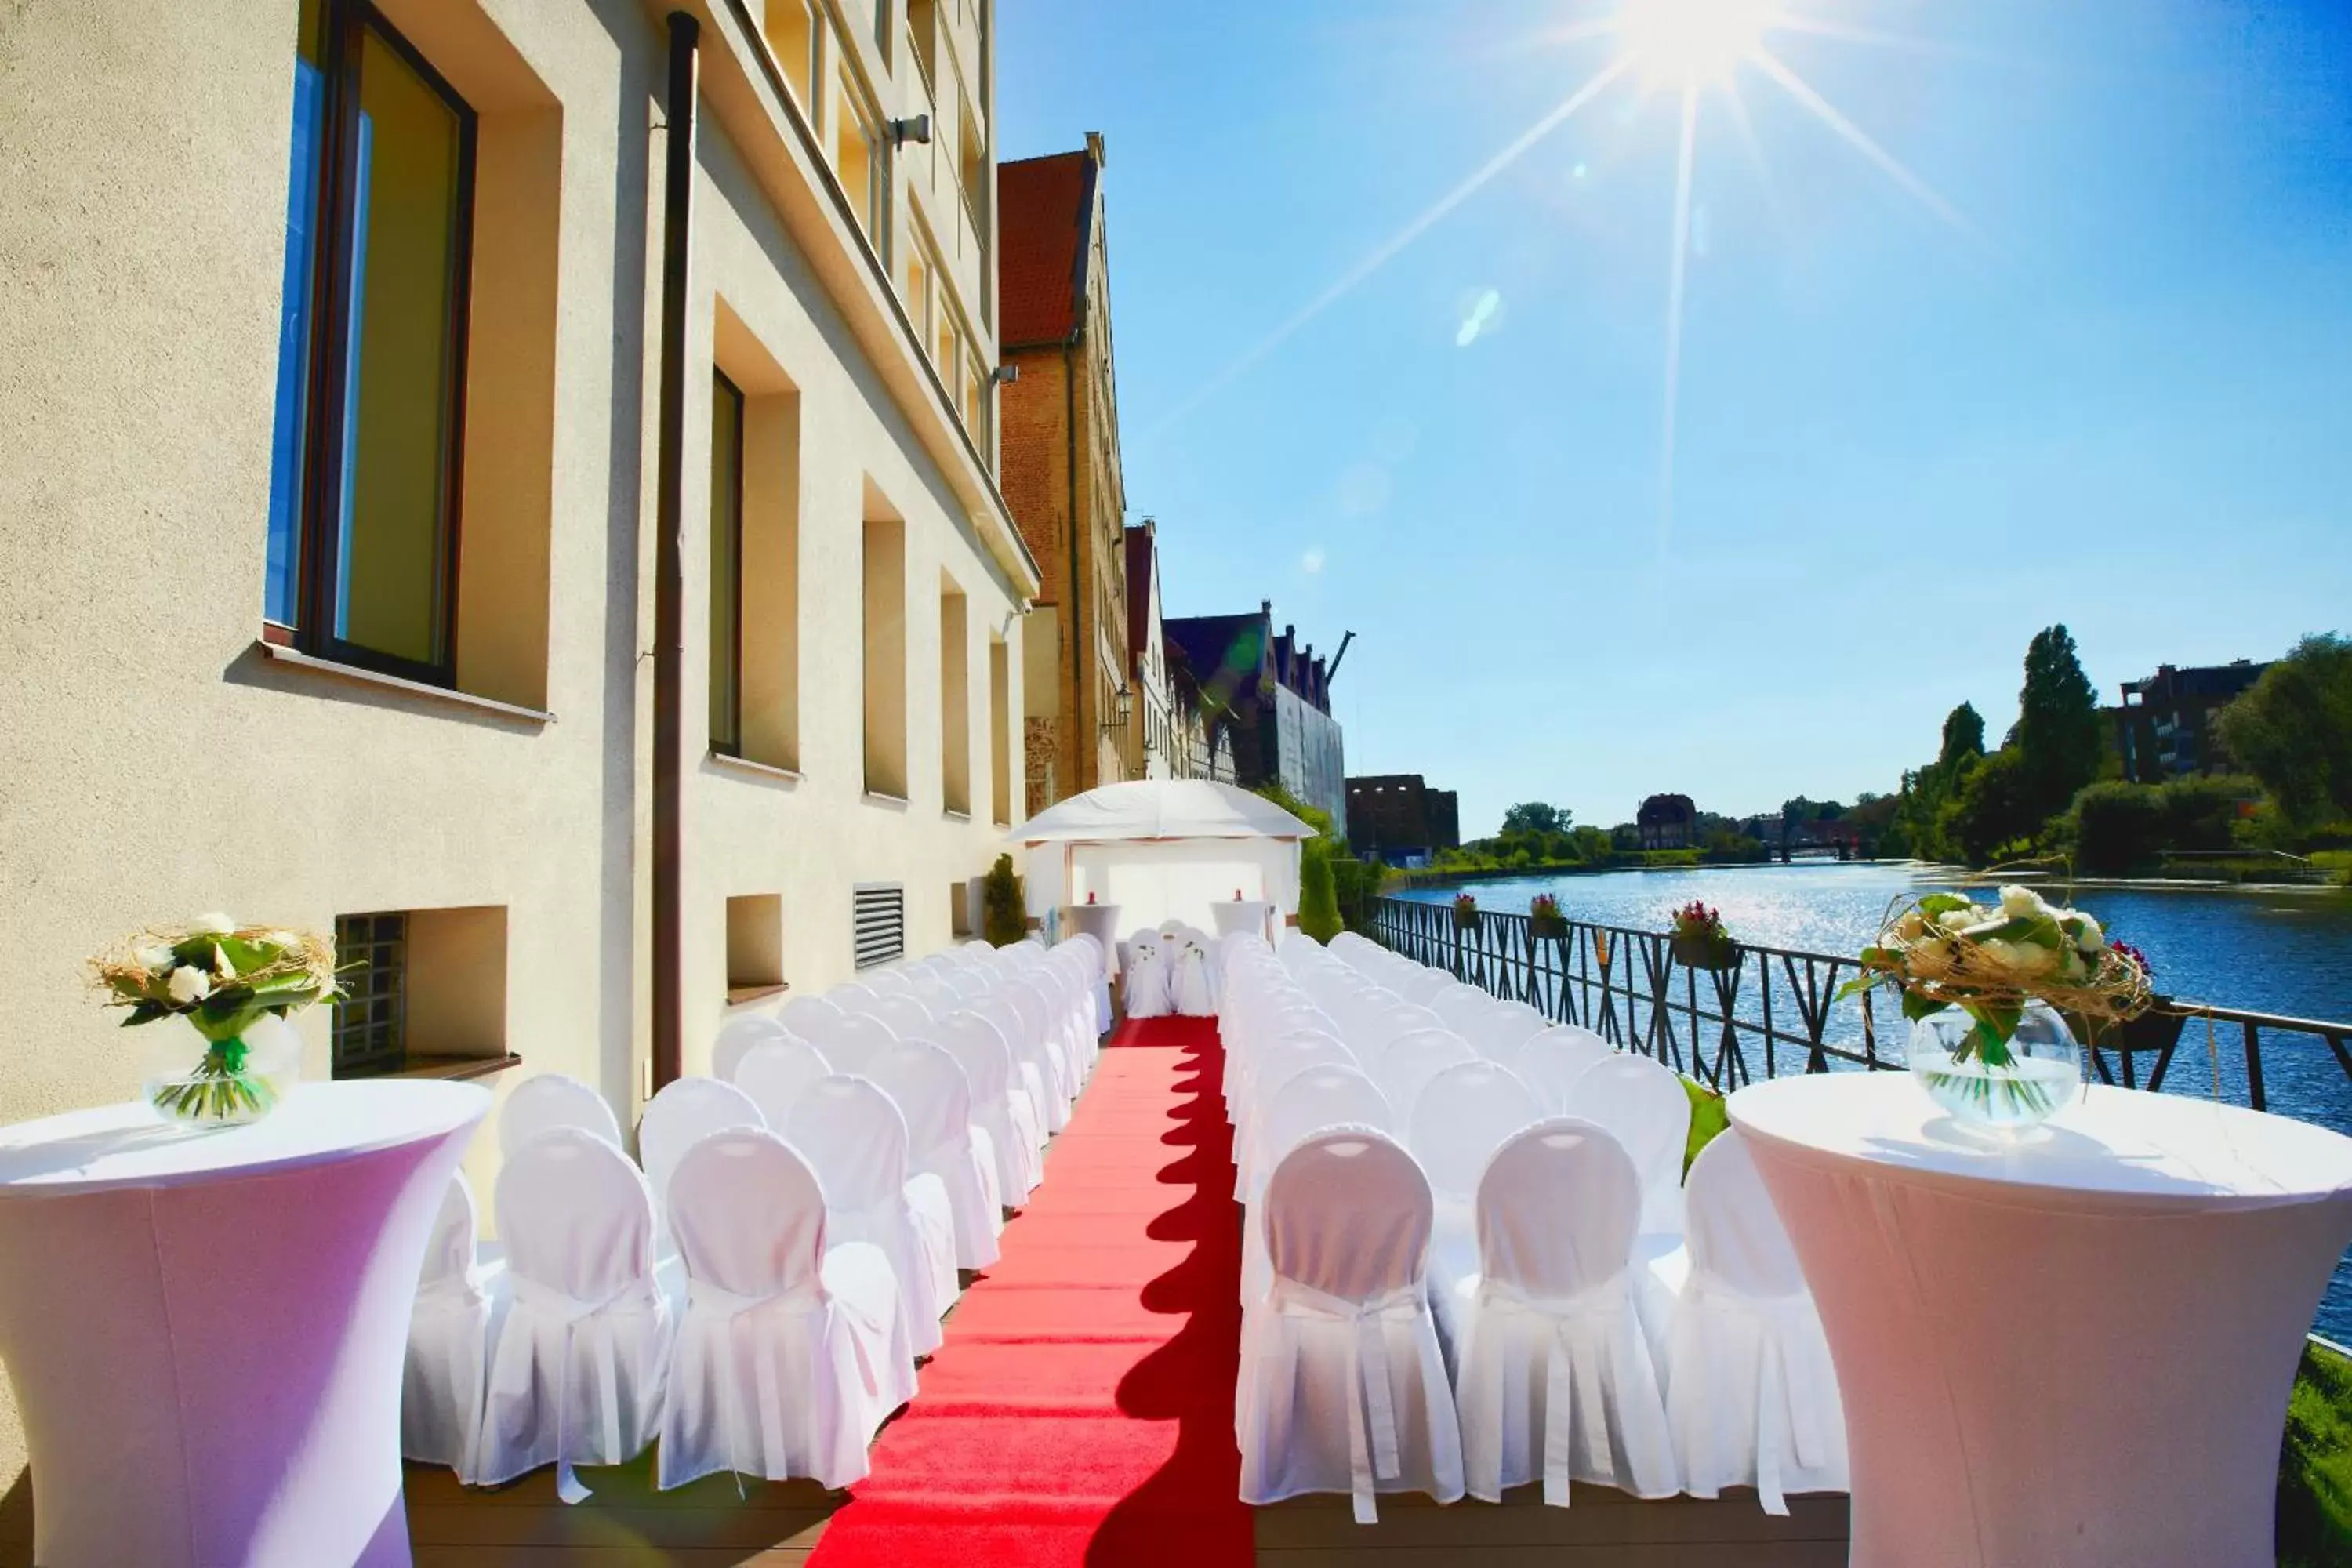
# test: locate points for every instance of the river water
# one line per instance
(2287, 954)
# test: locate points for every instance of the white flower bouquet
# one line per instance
(223, 978)
(1991, 960)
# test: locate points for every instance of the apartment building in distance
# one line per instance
(1155, 746)
(2164, 728)
(1062, 474)
(1400, 819)
(1270, 697)
(512, 484)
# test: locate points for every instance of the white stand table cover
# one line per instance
(1251, 915)
(205, 1330)
(2077, 1350)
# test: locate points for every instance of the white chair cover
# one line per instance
(777, 1074)
(685, 1111)
(1194, 985)
(1465, 1008)
(1751, 1393)
(1506, 1025)
(906, 1015)
(1642, 1105)
(1329, 1095)
(1342, 1385)
(852, 1041)
(935, 1097)
(1032, 997)
(1463, 1114)
(802, 1015)
(1033, 1060)
(1411, 1060)
(579, 1355)
(888, 982)
(1146, 983)
(736, 1038)
(854, 1139)
(547, 1100)
(1555, 1377)
(448, 1331)
(1000, 1103)
(789, 1354)
(1551, 1062)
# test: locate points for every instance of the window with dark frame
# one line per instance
(726, 567)
(370, 407)
(370, 1030)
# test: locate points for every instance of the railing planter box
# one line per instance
(1702, 952)
(2158, 1029)
(1553, 926)
(1465, 919)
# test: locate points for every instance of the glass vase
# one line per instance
(2037, 1074)
(199, 1082)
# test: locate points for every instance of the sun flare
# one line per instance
(1687, 42)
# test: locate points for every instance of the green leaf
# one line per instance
(1857, 985)
(145, 1013)
(246, 957)
(1996, 1024)
(1918, 1005)
(1935, 904)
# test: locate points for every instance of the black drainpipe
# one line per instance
(669, 554)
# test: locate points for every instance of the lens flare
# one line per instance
(1688, 42)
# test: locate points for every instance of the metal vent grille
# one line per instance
(370, 1024)
(879, 915)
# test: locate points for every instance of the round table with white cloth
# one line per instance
(1251, 915)
(2072, 1350)
(206, 1329)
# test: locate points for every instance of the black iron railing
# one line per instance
(1768, 1011)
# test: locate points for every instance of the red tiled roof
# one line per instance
(1042, 219)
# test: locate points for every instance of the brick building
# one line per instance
(1400, 818)
(2165, 727)
(1058, 424)
(1272, 697)
(1667, 822)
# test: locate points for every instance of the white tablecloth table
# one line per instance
(2074, 1351)
(1099, 921)
(206, 1329)
(1243, 914)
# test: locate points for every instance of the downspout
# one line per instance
(669, 555)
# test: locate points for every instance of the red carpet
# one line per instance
(1082, 1409)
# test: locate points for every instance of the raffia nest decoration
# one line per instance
(1991, 960)
(217, 974)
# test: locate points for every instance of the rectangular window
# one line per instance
(792, 34)
(973, 167)
(755, 946)
(879, 918)
(726, 567)
(955, 699)
(884, 639)
(426, 990)
(923, 30)
(999, 731)
(366, 452)
(857, 159)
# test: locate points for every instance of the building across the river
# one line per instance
(1400, 819)
(2165, 727)
(1667, 822)
(1274, 694)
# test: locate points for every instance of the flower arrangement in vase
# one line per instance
(2154, 1030)
(228, 982)
(1984, 986)
(1543, 916)
(1465, 912)
(1699, 941)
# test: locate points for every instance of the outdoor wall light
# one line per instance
(1004, 375)
(914, 128)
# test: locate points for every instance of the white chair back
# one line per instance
(1505, 1027)
(685, 1111)
(748, 1213)
(1464, 1008)
(853, 1041)
(907, 1013)
(888, 982)
(449, 1252)
(1642, 1106)
(1286, 1057)
(1327, 1095)
(548, 1101)
(575, 1215)
(1733, 1229)
(1531, 1240)
(802, 1015)
(979, 1047)
(1347, 1216)
(1411, 1060)
(930, 1092)
(736, 1038)
(1551, 1062)
(777, 1074)
(1463, 1114)
(854, 1136)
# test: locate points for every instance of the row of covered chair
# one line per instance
(758, 1294)
(1471, 1261)
(1170, 970)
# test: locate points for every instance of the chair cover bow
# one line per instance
(540, 1299)
(1566, 1405)
(1371, 1418)
(1788, 1410)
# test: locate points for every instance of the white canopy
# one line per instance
(1161, 808)
(1162, 850)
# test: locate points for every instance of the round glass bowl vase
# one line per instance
(2038, 1074)
(196, 1082)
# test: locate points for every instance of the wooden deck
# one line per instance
(628, 1524)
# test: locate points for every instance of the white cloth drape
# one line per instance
(853, 1137)
(448, 1331)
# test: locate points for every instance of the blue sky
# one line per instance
(2120, 397)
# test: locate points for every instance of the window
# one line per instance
(923, 29)
(858, 159)
(726, 567)
(955, 699)
(885, 639)
(878, 920)
(999, 731)
(425, 992)
(793, 33)
(973, 152)
(918, 290)
(366, 459)
(755, 946)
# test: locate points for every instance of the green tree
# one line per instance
(1995, 806)
(1534, 816)
(1319, 897)
(1004, 917)
(1963, 738)
(2293, 730)
(2058, 729)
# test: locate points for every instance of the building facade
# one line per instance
(1667, 822)
(1155, 747)
(333, 517)
(1062, 475)
(1400, 819)
(1273, 696)
(2165, 727)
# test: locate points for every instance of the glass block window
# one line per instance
(370, 1024)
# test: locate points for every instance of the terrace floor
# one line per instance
(628, 1524)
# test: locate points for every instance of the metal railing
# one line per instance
(1767, 1011)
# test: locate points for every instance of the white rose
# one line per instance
(190, 985)
(2090, 938)
(213, 924)
(1958, 919)
(2018, 903)
(156, 960)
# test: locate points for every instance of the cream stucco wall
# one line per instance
(156, 761)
